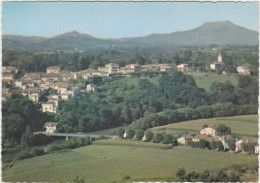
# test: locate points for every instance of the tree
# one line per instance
(158, 138)
(219, 145)
(245, 147)
(139, 134)
(251, 148)
(167, 138)
(232, 145)
(27, 137)
(181, 173)
(222, 176)
(203, 144)
(213, 144)
(223, 130)
(205, 126)
(120, 132)
(234, 177)
(148, 135)
(130, 133)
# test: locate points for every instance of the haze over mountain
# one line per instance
(220, 33)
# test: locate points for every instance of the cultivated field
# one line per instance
(246, 125)
(110, 160)
(205, 82)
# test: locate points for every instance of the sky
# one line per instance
(120, 19)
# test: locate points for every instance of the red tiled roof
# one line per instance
(52, 124)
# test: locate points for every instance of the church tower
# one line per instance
(219, 58)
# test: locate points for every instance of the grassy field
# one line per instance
(206, 81)
(110, 160)
(246, 125)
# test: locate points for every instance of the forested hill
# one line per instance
(220, 33)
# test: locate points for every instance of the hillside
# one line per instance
(246, 125)
(220, 33)
(114, 159)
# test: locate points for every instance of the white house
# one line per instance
(91, 87)
(182, 67)
(53, 69)
(50, 127)
(243, 70)
(184, 139)
(210, 130)
(49, 107)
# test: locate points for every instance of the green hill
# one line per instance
(104, 162)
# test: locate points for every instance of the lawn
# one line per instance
(206, 81)
(110, 160)
(246, 125)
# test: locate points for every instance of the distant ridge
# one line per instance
(219, 33)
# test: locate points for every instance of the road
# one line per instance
(72, 134)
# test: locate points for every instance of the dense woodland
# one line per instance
(140, 102)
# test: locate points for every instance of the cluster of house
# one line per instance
(35, 85)
(50, 127)
(209, 134)
(220, 66)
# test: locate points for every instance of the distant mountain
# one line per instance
(220, 33)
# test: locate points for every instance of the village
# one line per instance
(35, 85)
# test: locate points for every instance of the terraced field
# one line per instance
(110, 160)
(246, 125)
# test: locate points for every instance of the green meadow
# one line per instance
(205, 82)
(110, 160)
(245, 125)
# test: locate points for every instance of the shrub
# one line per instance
(130, 133)
(86, 140)
(126, 177)
(251, 148)
(37, 151)
(120, 132)
(213, 144)
(158, 138)
(167, 138)
(148, 135)
(139, 134)
(232, 145)
(23, 155)
(245, 147)
(219, 146)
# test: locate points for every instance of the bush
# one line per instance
(130, 133)
(158, 138)
(245, 147)
(86, 140)
(232, 145)
(120, 132)
(148, 136)
(126, 177)
(219, 146)
(23, 155)
(167, 138)
(139, 134)
(251, 148)
(213, 144)
(37, 151)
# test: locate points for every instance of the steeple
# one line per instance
(219, 58)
